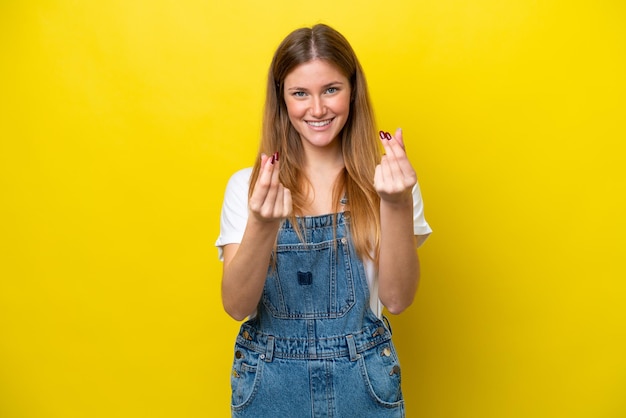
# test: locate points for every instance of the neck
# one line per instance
(323, 160)
(322, 170)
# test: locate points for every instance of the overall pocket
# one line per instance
(245, 376)
(381, 373)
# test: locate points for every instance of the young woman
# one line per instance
(316, 238)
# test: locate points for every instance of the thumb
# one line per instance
(399, 136)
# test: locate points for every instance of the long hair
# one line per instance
(360, 147)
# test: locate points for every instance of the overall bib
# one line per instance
(315, 348)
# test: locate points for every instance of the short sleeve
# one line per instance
(234, 210)
(421, 229)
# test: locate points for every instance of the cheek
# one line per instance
(343, 105)
(344, 110)
(294, 109)
(292, 114)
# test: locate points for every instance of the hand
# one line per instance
(270, 200)
(394, 177)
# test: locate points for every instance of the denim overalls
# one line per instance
(315, 348)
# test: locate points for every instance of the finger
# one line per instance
(283, 203)
(403, 161)
(262, 178)
(262, 185)
(399, 137)
(396, 150)
(274, 186)
(399, 159)
(279, 201)
(387, 174)
(392, 146)
(394, 153)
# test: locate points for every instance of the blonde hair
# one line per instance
(360, 147)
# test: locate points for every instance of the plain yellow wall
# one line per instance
(121, 121)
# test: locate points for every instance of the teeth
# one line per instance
(320, 124)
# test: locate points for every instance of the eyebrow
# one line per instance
(325, 86)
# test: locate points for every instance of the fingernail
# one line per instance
(273, 159)
(381, 134)
(388, 135)
(276, 156)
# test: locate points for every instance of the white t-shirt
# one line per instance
(235, 216)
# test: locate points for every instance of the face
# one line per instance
(317, 96)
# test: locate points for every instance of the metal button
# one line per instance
(386, 352)
(379, 331)
(238, 354)
(235, 374)
(246, 335)
(344, 241)
(262, 356)
(395, 370)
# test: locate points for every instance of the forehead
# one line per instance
(315, 72)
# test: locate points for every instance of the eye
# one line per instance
(299, 94)
(332, 90)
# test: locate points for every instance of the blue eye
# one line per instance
(332, 90)
(299, 94)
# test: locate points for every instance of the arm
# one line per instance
(246, 264)
(398, 268)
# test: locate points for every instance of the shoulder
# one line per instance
(240, 178)
(234, 210)
(238, 183)
(236, 194)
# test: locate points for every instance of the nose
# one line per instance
(318, 108)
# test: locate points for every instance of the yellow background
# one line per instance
(121, 121)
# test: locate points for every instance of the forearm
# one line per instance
(399, 268)
(244, 274)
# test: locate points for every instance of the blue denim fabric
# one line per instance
(315, 348)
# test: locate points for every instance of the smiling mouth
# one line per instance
(320, 124)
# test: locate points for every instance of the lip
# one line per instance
(322, 127)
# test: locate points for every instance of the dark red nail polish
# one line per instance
(276, 156)
(382, 134)
(273, 159)
(388, 135)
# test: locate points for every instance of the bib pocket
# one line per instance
(310, 281)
